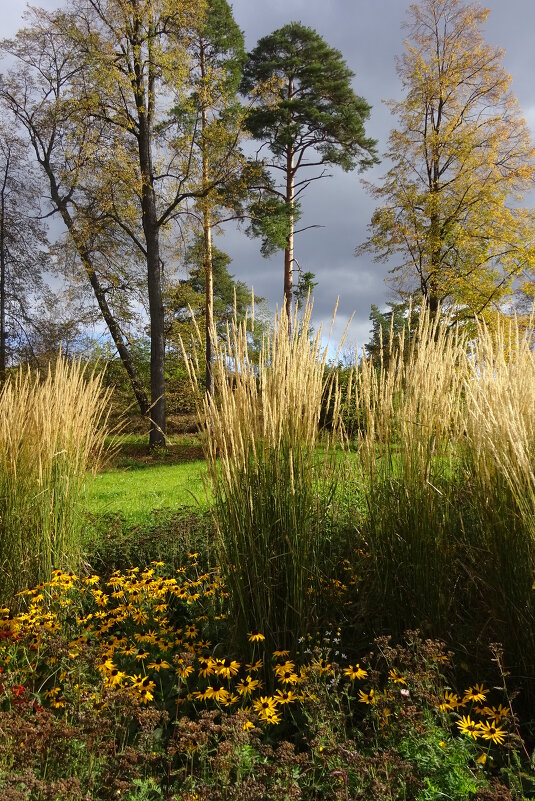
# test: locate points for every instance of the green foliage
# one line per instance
(322, 112)
(271, 220)
(386, 328)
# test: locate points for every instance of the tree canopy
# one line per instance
(461, 157)
(307, 113)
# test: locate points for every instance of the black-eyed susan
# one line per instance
(206, 667)
(475, 693)
(469, 727)
(184, 671)
(355, 673)
(158, 664)
(451, 701)
(248, 725)
(230, 699)
(191, 631)
(496, 713)
(367, 698)
(115, 678)
(286, 667)
(254, 667)
(255, 636)
(394, 676)
(217, 693)
(247, 686)
(280, 654)
(288, 677)
(285, 697)
(227, 667)
(142, 655)
(490, 731)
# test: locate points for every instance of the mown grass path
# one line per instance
(136, 493)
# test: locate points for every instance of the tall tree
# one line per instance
(460, 154)
(23, 243)
(136, 57)
(307, 113)
(41, 92)
(217, 54)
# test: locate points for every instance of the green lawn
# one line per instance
(138, 491)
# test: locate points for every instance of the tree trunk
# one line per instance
(154, 286)
(289, 250)
(207, 236)
(3, 359)
(100, 295)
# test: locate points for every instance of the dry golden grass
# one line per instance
(52, 430)
(271, 481)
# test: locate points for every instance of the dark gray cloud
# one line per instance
(369, 34)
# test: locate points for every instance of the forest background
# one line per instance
(369, 37)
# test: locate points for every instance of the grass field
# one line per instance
(136, 493)
(137, 483)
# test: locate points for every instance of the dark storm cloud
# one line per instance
(369, 34)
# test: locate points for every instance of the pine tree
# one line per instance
(307, 113)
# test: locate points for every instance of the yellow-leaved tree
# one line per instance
(461, 160)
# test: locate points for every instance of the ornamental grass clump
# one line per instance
(499, 461)
(411, 411)
(273, 474)
(51, 431)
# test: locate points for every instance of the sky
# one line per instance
(369, 35)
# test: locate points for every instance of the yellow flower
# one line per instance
(367, 698)
(206, 667)
(285, 697)
(115, 678)
(288, 677)
(158, 664)
(217, 693)
(355, 672)
(247, 686)
(227, 667)
(477, 693)
(451, 701)
(287, 667)
(107, 666)
(248, 725)
(144, 686)
(496, 713)
(255, 636)
(395, 677)
(469, 727)
(489, 731)
(184, 671)
(191, 631)
(265, 705)
(254, 667)
(281, 654)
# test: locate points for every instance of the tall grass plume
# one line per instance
(273, 473)
(52, 430)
